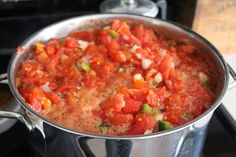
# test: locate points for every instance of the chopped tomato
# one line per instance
(89, 79)
(115, 54)
(120, 27)
(34, 102)
(71, 42)
(174, 116)
(131, 106)
(118, 119)
(28, 66)
(116, 103)
(139, 84)
(68, 62)
(177, 101)
(138, 31)
(66, 86)
(46, 103)
(165, 67)
(50, 49)
(188, 48)
(138, 94)
(104, 37)
(70, 99)
(152, 98)
(42, 57)
(88, 36)
(53, 97)
(36, 98)
(149, 36)
(105, 69)
(142, 123)
(161, 93)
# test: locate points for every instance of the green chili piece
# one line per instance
(146, 109)
(112, 33)
(63, 42)
(153, 84)
(104, 126)
(85, 66)
(164, 125)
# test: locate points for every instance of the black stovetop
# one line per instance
(14, 142)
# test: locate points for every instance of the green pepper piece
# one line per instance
(85, 66)
(155, 111)
(187, 116)
(146, 109)
(104, 126)
(153, 84)
(112, 33)
(164, 125)
(63, 41)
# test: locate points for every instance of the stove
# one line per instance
(17, 26)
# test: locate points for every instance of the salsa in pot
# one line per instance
(121, 79)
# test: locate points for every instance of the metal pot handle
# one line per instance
(15, 115)
(233, 75)
(3, 77)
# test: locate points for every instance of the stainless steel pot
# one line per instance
(50, 139)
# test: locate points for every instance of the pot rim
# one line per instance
(216, 103)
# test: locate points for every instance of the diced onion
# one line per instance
(159, 117)
(203, 77)
(83, 44)
(138, 55)
(138, 77)
(86, 59)
(158, 78)
(45, 87)
(122, 56)
(122, 70)
(122, 102)
(162, 52)
(129, 70)
(134, 48)
(146, 63)
(125, 37)
(147, 132)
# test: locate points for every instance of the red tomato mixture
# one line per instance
(121, 79)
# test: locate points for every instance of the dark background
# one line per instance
(19, 20)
